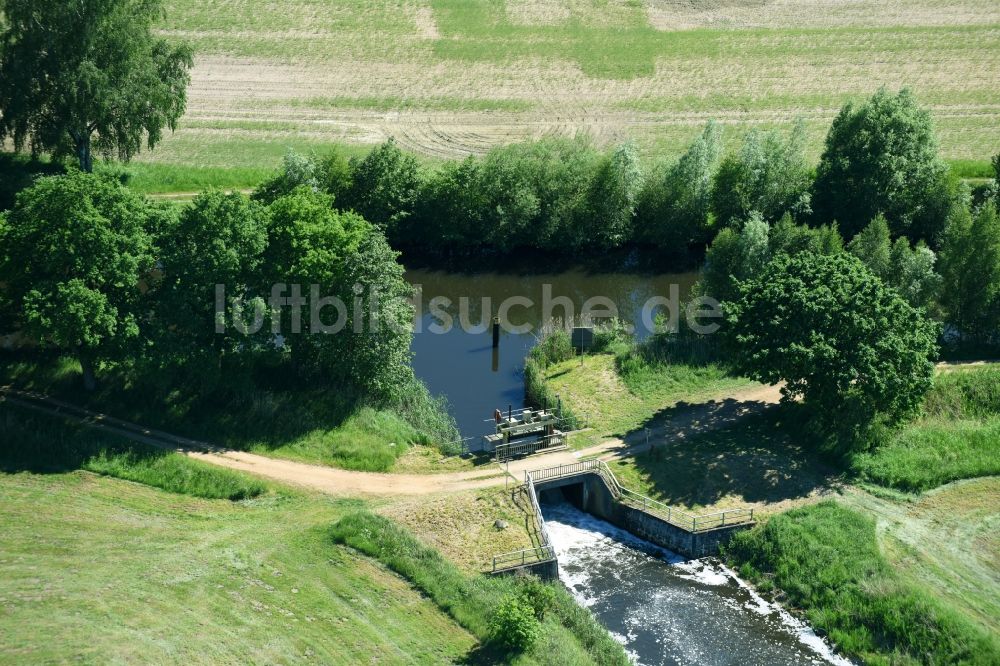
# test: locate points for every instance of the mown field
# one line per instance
(453, 77)
(123, 573)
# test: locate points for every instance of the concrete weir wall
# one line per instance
(547, 570)
(588, 492)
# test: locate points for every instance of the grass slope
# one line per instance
(102, 571)
(42, 443)
(825, 559)
(312, 426)
(569, 635)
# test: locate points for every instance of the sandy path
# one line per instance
(336, 481)
(684, 421)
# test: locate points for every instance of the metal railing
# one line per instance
(683, 519)
(507, 451)
(677, 517)
(519, 558)
(543, 552)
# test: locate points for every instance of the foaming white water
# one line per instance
(670, 611)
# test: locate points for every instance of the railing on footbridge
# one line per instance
(683, 519)
(677, 517)
(543, 552)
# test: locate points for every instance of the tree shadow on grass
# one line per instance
(239, 412)
(38, 443)
(485, 653)
(701, 454)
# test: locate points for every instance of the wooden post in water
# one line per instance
(496, 332)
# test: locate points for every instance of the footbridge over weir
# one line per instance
(592, 487)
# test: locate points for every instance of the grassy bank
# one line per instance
(614, 403)
(31, 442)
(315, 426)
(825, 560)
(124, 573)
(958, 436)
(461, 526)
(568, 633)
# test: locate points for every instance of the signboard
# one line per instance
(582, 337)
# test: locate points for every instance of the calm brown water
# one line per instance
(461, 365)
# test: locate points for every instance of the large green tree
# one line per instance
(881, 157)
(850, 347)
(970, 266)
(74, 253)
(384, 186)
(673, 207)
(219, 239)
(607, 219)
(768, 175)
(85, 76)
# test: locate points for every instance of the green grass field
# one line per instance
(99, 570)
(453, 77)
(826, 560)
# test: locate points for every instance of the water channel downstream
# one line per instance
(667, 611)
(664, 610)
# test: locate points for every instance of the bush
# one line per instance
(554, 347)
(429, 414)
(514, 624)
(931, 453)
(969, 394)
(538, 393)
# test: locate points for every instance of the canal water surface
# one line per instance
(462, 366)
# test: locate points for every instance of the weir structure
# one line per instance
(592, 487)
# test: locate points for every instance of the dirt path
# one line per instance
(713, 414)
(684, 420)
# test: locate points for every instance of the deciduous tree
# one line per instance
(970, 266)
(768, 175)
(74, 252)
(851, 348)
(673, 207)
(881, 157)
(79, 76)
